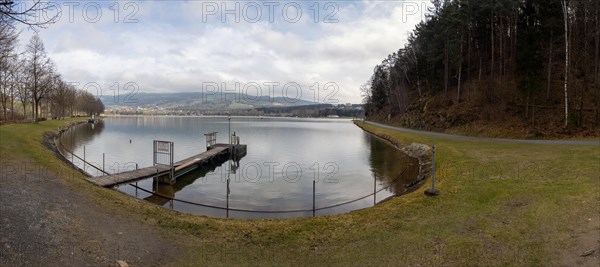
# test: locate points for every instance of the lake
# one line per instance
(351, 169)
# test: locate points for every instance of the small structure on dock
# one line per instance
(211, 139)
(166, 170)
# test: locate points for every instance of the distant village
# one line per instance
(308, 111)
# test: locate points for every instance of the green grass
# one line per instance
(500, 204)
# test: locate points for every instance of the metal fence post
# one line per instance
(314, 185)
(374, 190)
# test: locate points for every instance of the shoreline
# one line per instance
(52, 142)
(419, 151)
(486, 197)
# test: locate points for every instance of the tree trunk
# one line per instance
(469, 54)
(36, 112)
(33, 109)
(446, 67)
(527, 106)
(585, 63)
(566, 18)
(12, 105)
(550, 53)
(597, 57)
(533, 111)
(24, 110)
(512, 43)
(3, 91)
(4, 107)
(492, 59)
(418, 77)
(480, 66)
(459, 69)
(501, 48)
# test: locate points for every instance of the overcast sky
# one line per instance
(182, 46)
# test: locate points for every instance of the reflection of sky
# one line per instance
(333, 150)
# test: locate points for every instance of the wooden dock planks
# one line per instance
(130, 176)
(200, 158)
(159, 170)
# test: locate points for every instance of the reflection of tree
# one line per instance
(389, 165)
(80, 133)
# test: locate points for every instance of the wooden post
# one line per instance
(432, 191)
(83, 158)
(103, 171)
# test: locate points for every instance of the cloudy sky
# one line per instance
(182, 46)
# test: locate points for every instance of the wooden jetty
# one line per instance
(168, 174)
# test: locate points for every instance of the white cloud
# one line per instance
(172, 49)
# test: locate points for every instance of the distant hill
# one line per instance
(199, 101)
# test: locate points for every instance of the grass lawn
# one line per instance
(500, 204)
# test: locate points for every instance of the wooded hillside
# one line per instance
(526, 65)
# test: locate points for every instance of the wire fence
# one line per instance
(83, 160)
(269, 211)
(313, 210)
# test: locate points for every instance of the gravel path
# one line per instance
(486, 139)
(43, 222)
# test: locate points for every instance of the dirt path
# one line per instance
(486, 139)
(43, 222)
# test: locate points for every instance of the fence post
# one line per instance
(314, 185)
(374, 190)
(83, 158)
(136, 183)
(227, 205)
(103, 171)
(432, 191)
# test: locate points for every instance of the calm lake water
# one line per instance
(284, 156)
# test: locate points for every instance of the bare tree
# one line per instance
(35, 13)
(15, 77)
(8, 42)
(40, 72)
(23, 92)
(6, 85)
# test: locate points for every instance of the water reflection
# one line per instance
(349, 165)
(81, 134)
(163, 192)
(390, 166)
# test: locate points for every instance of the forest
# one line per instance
(31, 88)
(526, 66)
